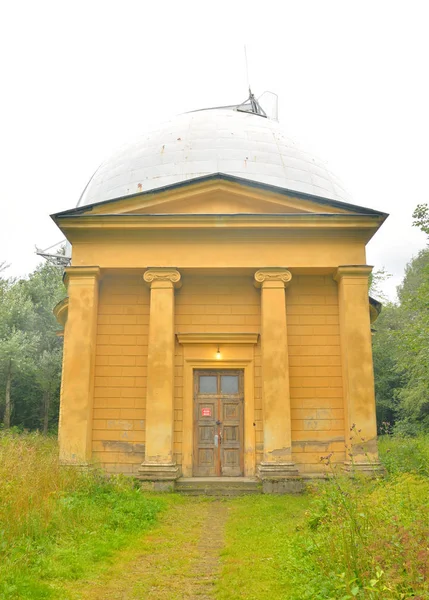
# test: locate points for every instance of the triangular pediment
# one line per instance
(220, 195)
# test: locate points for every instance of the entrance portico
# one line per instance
(237, 355)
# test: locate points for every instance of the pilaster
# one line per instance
(357, 368)
(77, 388)
(159, 463)
(277, 462)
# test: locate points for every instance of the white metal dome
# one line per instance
(219, 140)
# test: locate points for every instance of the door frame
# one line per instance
(218, 397)
(202, 357)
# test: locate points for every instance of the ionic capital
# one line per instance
(162, 275)
(352, 271)
(279, 275)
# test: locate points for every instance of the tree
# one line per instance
(401, 344)
(45, 288)
(3, 266)
(48, 375)
(413, 340)
(376, 281)
(18, 340)
(388, 378)
(30, 350)
(421, 217)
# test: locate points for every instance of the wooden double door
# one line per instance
(218, 423)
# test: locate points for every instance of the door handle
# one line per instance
(216, 441)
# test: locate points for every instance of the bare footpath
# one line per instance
(179, 560)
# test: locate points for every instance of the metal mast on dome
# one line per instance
(251, 105)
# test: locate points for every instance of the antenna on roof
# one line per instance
(57, 259)
(251, 104)
(247, 67)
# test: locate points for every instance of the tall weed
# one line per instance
(366, 538)
(57, 523)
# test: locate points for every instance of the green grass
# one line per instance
(169, 563)
(58, 524)
(259, 542)
(344, 539)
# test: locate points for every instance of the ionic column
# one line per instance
(77, 387)
(159, 464)
(277, 462)
(357, 367)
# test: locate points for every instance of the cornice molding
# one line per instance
(271, 274)
(223, 181)
(209, 221)
(217, 338)
(162, 274)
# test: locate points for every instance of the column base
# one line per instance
(81, 465)
(280, 478)
(271, 470)
(371, 469)
(159, 472)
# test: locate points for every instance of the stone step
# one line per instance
(218, 486)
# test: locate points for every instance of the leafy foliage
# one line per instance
(367, 539)
(421, 217)
(30, 350)
(401, 347)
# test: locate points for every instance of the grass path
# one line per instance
(260, 535)
(177, 560)
(204, 549)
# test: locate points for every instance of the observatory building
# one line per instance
(217, 322)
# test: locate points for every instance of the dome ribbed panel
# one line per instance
(212, 141)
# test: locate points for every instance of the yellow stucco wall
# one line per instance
(120, 373)
(217, 304)
(317, 412)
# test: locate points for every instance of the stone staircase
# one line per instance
(218, 486)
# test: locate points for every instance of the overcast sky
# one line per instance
(80, 78)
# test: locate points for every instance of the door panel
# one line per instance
(230, 434)
(232, 437)
(231, 410)
(231, 461)
(206, 455)
(206, 434)
(218, 423)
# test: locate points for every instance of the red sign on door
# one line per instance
(206, 412)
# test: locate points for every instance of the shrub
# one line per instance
(369, 538)
(402, 454)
